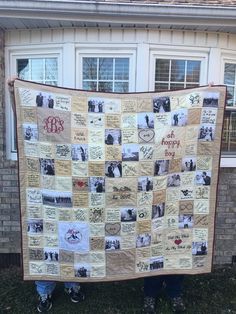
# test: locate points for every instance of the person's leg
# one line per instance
(44, 289)
(174, 288)
(152, 287)
(73, 289)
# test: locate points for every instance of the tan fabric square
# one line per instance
(186, 207)
(120, 263)
(112, 121)
(80, 184)
(96, 169)
(146, 168)
(63, 167)
(29, 115)
(97, 243)
(175, 165)
(80, 199)
(159, 197)
(66, 257)
(79, 104)
(194, 116)
(54, 126)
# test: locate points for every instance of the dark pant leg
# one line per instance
(174, 285)
(152, 286)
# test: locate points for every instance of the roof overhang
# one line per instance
(55, 13)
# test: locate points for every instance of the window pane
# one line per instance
(121, 87)
(89, 68)
(162, 70)
(51, 70)
(191, 85)
(229, 132)
(105, 69)
(121, 69)
(105, 86)
(177, 70)
(176, 86)
(23, 69)
(193, 71)
(229, 73)
(37, 70)
(90, 86)
(230, 96)
(159, 87)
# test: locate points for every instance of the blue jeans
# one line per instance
(47, 287)
(153, 285)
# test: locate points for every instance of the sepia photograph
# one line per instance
(161, 167)
(161, 104)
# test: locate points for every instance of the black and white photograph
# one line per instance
(185, 221)
(161, 167)
(145, 184)
(203, 178)
(173, 180)
(57, 198)
(51, 254)
(35, 226)
(113, 137)
(199, 248)
(128, 214)
(112, 243)
(82, 270)
(96, 105)
(179, 117)
(45, 100)
(30, 132)
(143, 240)
(79, 152)
(188, 164)
(161, 104)
(158, 210)
(156, 263)
(97, 184)
(145, 120)
(211, 100)
(130, 152)
(113, 169)
(206, 133)
(47, 166)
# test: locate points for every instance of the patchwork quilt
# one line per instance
(117, 186)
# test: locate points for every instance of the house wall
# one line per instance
(143, 45)
(9, 197)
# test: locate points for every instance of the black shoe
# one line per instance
(178, 305)
(75, 293)
(149, 305)
(45, 304)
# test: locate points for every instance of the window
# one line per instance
(176, 74)
(40, 70)
(229, 129)
(37, 69)
(106, 74)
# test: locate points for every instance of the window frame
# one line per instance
(105, 52)
(175, 53)
(11, 57)
(227, 159)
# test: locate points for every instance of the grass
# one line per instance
(213, 293)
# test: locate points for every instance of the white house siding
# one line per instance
(142, 45)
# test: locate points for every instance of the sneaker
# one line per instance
(75, 293)
(149, 305)
(178, 305)
(45, 303)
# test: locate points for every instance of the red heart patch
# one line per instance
(178, 241)
(80, 184)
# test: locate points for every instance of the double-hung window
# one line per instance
(40, 69)
(229, 129)
(106, 74)
(172, 74)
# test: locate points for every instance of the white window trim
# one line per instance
(227, 57)
(11, 56)
(105, 52)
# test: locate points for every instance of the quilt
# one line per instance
(117, 186)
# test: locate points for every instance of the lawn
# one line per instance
(204, 294)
